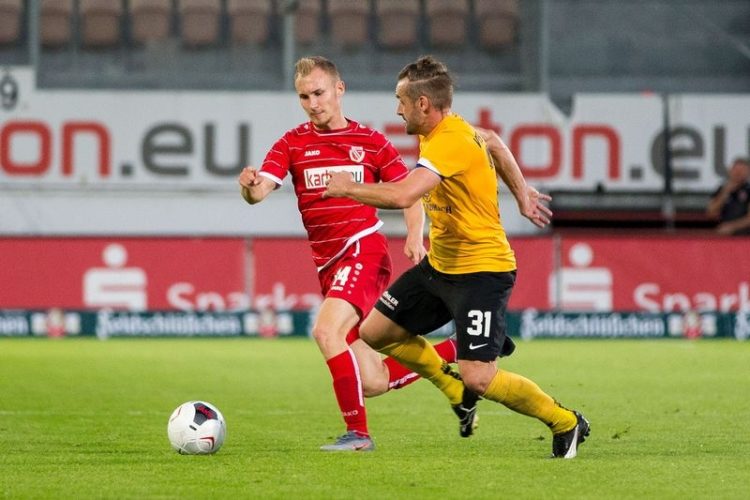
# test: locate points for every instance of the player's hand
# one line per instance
(338, 185)
(249, 177)
(534, 208)
(414, 249)
(726, 229)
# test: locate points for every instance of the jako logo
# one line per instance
(312, 152)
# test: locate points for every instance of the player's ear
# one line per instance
(340, 88)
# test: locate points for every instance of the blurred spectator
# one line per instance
(731, 202)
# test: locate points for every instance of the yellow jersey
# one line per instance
(466, 234)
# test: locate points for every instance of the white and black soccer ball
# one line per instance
(196, 428)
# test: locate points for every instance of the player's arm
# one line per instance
(401, 194)
(734, 226)
(253, 186)
(718, 200)
(414, 218)
(529, 200)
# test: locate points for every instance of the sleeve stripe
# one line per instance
(272, 177)
(424, 162)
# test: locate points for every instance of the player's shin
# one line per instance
(420, 356)
(524, 396)
(348, 388)
(400, 376)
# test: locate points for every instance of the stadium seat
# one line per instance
(150, 20)
(55, 23)
(497, 21)
(349, 21)
(100, 22)
(307, 22)
(397, 23)
(249, 20)
(200, 22)
(10, 21)
(447, 22)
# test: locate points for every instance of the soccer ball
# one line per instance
(196, 428)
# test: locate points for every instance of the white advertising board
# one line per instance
(167, 158)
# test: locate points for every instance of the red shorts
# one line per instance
(360, 275)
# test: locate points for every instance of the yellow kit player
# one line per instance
(470, 270)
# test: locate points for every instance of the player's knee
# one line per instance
(371, 337)
(319, 334)
(324, 335)
(476, 382)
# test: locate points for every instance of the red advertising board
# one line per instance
(535, 258)
(572, 273)
(654, 273)
(123, 273)
(596, 273)
(285, 276)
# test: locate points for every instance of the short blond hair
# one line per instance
(305, 65)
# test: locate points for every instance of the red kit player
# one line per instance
(351, 256)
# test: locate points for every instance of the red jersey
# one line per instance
(310, 156)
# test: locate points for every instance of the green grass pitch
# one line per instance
(82, 418)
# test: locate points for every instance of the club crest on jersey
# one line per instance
(317, 178)
(357, 153)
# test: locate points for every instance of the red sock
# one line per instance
(447, 350)
(399, 376)
(352, 336)
(348, 388)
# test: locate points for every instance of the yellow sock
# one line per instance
(523, 396)
(421, 357)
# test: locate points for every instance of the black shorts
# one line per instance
(423, 299)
